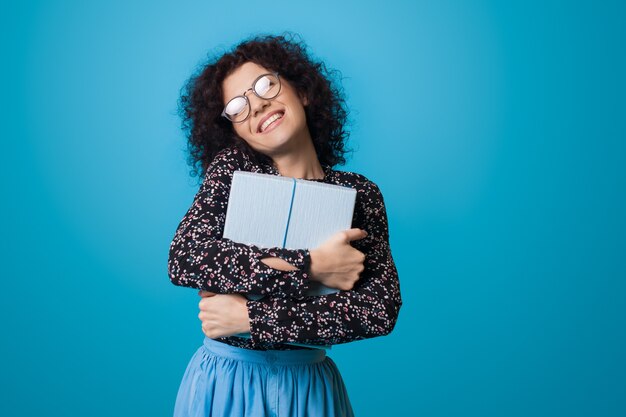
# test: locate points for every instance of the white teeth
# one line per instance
(270, 120)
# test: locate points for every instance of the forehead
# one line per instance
(241, 79)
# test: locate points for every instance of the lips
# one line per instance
(258, 128)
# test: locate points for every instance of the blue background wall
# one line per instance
(495, 130)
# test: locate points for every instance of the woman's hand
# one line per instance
(335, 263)
(223, 314)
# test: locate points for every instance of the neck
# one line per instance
(300, 161)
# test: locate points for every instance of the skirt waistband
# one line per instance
(271, 357)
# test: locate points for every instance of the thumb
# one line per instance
(355, 234)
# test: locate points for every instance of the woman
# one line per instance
(267, 107)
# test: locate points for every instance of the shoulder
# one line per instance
(219, 172)
(229, 158)
(233, 158)
(363, 185)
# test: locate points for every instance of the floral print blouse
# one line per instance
(200, 258)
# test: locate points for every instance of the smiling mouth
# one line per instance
(271, 121)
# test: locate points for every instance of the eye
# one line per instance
(263, 85)
(267, 86)
(236, 106)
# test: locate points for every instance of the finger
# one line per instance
(203, 293)
(203, 304)
(355, 234)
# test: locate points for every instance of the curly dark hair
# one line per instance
(201, 105)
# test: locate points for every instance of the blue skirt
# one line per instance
(223, 380)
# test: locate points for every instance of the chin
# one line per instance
(274, 138)
(264, 145)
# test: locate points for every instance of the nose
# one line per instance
(257, 104)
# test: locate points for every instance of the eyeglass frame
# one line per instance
(223, 114)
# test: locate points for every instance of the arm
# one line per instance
(370, 309)
(200, 258)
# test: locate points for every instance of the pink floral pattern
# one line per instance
(200, 258)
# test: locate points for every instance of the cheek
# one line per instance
(242, 129)
(299, 114)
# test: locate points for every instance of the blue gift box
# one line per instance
(277, 211)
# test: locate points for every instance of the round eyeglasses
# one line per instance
(265, 86)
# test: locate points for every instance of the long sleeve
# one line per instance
(200, 258)
(370, 309)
